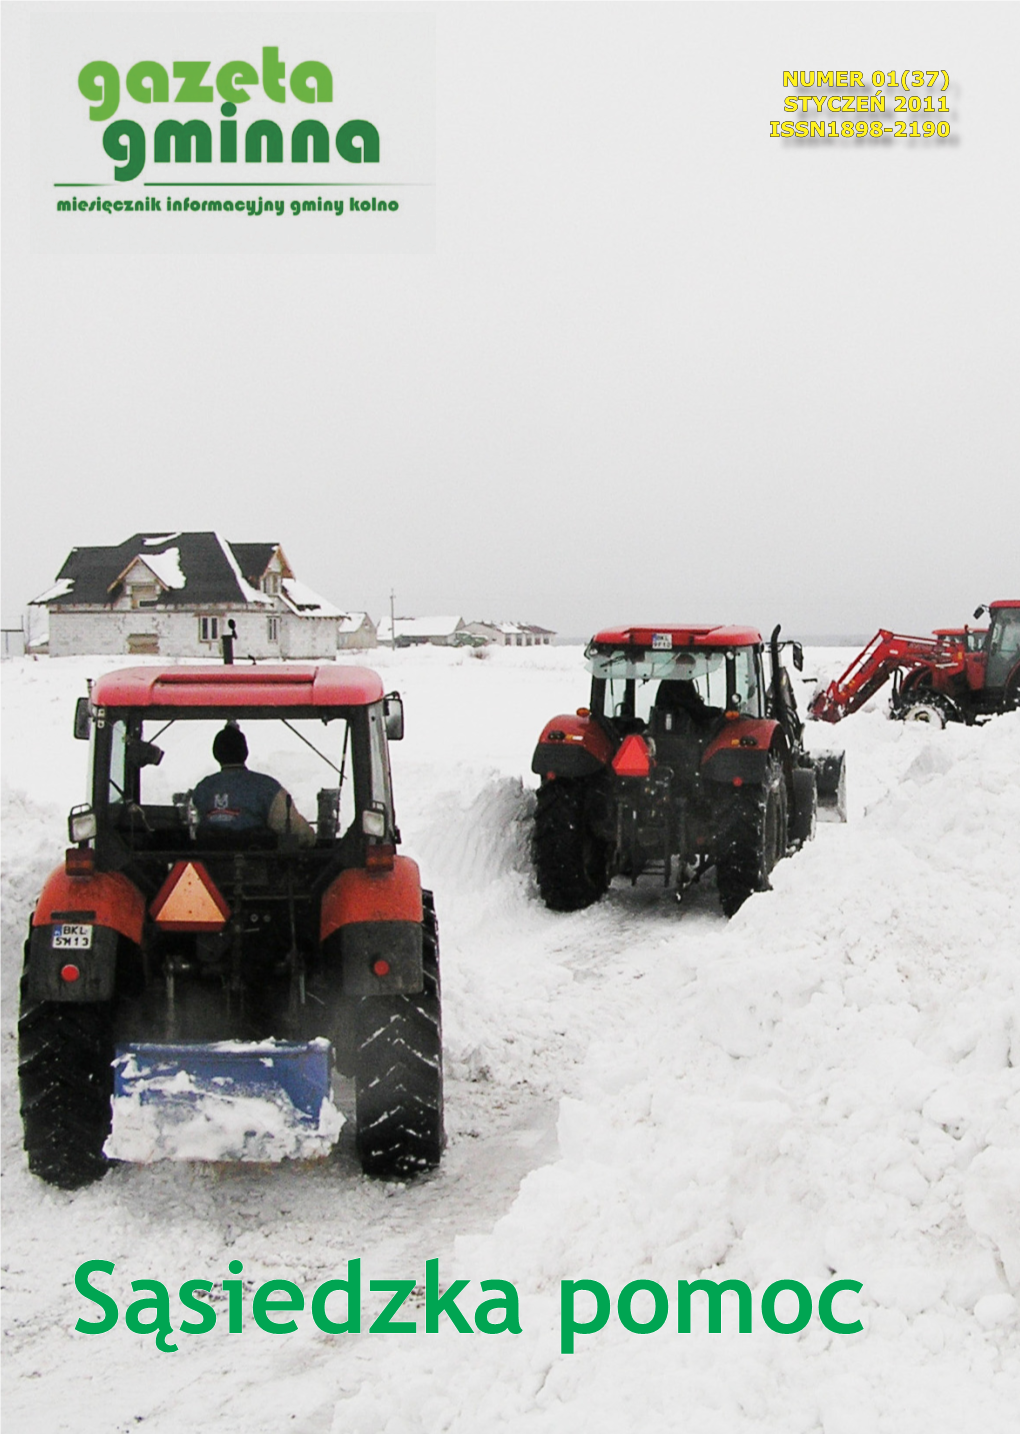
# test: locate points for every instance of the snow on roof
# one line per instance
(352, 621)
(166, 566)
(510, 629)
(421, 626)
(249, 593)
(59, 589)
(301, 598)
(158, 539)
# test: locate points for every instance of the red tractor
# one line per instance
(959, 675)
(167, 958)
(686, 758)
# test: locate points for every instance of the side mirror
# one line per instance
(143, 754)
(979, 610)
(393, 715)
(82, 719)
(798, 657)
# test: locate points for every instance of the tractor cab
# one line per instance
(688, 757)
(665, 680)
(1002, 648)
(321, 734)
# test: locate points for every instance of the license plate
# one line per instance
(662, 641)
(71, 937)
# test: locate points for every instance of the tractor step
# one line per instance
(232, 1100)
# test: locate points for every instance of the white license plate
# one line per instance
(662, 641)
(71, 937)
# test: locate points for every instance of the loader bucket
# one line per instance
(231, 1100)
(831, 769)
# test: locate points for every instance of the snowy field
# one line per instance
(826, 1087)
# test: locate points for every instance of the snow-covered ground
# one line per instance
(826, 1087)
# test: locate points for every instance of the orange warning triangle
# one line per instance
(189, 901)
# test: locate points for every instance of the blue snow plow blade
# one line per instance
(232, 1100)
(229, 1068)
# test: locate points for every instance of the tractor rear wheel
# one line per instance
(571, 862)
(398, 1075)
(756, 839)
(65, 1054)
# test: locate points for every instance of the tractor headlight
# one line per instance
(373, 823)
(81, 824)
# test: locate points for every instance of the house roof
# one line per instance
(510, 628)
(254, 558)
(192, 568)
(353, 621)
(301, 599)
(422, 627)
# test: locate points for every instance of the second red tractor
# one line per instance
(687, 757)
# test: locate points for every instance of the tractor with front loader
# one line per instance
(170, 964)
(687, 758)
(957, 675)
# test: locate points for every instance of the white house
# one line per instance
(356, 629)
(175, 593)
(418, 631)
(512, 634)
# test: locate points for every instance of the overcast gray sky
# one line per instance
(659, 366)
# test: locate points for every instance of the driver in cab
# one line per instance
(680, 701)
(235, 800)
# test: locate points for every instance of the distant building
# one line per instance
(423, 631)
(513, 634)
(175, 593)
(354, 630)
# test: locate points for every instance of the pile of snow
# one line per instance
(825, 1087)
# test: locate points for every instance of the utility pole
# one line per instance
(393, 624)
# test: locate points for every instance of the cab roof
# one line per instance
(238, 686)
(680, 635)
(1004, 602)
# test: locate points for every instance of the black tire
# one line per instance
(66, 1073)
(925, 706)
(831, 769)
(571, 862)
(805, 805)
(398, 1075)
(756, 838)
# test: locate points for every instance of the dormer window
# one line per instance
(271, 584)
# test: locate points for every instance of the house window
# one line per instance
(273, 628)
(271, 584)
(208, 629)
(143, 596)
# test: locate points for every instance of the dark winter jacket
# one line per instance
(236, 800)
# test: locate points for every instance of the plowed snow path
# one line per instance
(827, 1083)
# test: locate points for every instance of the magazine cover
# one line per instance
(511, 795)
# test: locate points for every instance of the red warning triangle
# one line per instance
(633, 759)
(189, 901)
